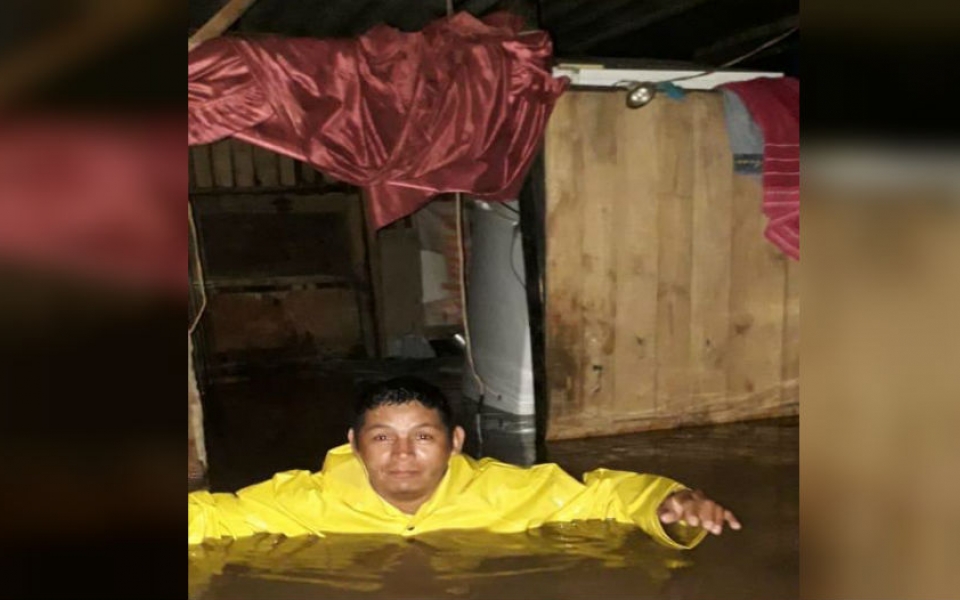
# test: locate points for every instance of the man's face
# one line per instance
(405, 449)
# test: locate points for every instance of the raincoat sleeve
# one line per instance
(640, 495)
(628, 498)
(269, 507)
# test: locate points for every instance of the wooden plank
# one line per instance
(599, 193)
(742, 408)
(243, 169)
(288, 170)
(637, 237)
(219, 22)
(710, 271)
(757, 286)
(266, 167)
(202, 166)
(791, 332)
(222, 163)
(563, 156)
(674, 189)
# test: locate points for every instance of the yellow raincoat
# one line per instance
(485, 494)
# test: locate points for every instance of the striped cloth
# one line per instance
(774, 104)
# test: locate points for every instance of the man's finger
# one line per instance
(690, 516)
(668, 516)
(671, 510)
(705, 513)
(717, 519)
(730, 518)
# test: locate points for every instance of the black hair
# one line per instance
(402, 390)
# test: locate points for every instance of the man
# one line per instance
(403, 472)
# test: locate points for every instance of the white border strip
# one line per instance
(595, 76)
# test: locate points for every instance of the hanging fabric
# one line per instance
(460, 106)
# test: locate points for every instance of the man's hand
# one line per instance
(695, 509)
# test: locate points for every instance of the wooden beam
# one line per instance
(220, 22)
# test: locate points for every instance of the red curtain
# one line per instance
(459, 106)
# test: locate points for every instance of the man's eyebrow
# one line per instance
(417, 426)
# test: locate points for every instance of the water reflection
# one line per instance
(552, 562)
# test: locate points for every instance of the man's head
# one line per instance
(403, 432)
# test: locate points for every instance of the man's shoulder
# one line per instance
(288, 480)
(493, 467)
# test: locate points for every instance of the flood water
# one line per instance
(750, 467)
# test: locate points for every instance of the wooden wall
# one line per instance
(665, 305)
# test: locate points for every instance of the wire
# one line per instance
(625, 83)
(513, 247)
(740, 58)
(511, 209)
(468, 343)
(199, 269)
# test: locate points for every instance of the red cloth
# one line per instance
(101, 199)
(459, 106)
(775, 106)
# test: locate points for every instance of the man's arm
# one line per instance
(661, 507)
(269, 507)
(639, 497)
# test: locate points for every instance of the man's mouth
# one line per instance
(402, 474)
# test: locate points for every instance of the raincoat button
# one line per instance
(410, 528)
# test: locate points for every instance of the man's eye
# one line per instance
(425, 436)
(380, 437)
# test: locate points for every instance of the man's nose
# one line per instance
(403, 447)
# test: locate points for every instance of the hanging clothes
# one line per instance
(774, 104)
(746, 138)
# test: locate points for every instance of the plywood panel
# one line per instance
(665, 305)
(791, 334)
(711, 243)
(757, 286)
(673, 188)
(599, 187)
(637, 237)
(564, 216)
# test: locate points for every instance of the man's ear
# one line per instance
(350, 438)
(458, 436)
